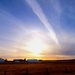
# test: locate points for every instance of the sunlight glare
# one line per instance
(36, 46)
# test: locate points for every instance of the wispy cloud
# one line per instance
(56, 5)
(12, 30)
(40, 14)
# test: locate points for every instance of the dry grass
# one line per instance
(42, 68)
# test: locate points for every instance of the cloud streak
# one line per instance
(39, 12)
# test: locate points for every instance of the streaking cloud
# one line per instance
(39, 12)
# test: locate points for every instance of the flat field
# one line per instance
(39, 68)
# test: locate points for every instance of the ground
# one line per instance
(39, 68)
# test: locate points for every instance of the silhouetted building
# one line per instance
(2, 60)
(19, 60)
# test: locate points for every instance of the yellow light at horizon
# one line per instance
(36, 46)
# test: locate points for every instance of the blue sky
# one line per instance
(51, 22)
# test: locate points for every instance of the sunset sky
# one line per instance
(42, 29)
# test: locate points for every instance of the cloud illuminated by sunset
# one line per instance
(37, 29)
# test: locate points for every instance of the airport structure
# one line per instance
(32, 60)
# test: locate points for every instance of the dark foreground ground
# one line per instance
(39, 68)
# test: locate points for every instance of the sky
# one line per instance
(42, 29)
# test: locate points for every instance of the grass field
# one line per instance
(39, 68)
